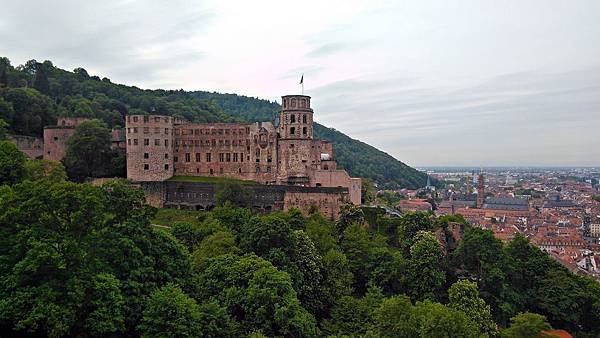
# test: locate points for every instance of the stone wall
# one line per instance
(55, 142)
(149, 147)
(266, 198)
(33, 147)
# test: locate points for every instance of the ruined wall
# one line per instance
(55, 142)
(328, 201)
(33, 147)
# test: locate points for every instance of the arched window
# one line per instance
(293, 130)
(304, 130)
(304, 118)
(293, 118)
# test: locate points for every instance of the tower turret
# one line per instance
(296, 117)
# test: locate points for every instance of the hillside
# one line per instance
(359, 158)
(33, 95)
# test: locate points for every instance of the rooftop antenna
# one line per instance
(302, 83)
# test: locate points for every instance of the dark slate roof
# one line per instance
(506, 203)
(559, 204)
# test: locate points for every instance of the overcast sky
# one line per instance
(430, 82)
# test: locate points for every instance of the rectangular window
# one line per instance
(207, 157)
(135, 119)
(235, 157)
(241, 157)
(187, 157)
(156, 142)
(220, 170)
(166, 143)
(197, 157)
(146, 141)
(166, 131)
(135, 142)
(146, 155)
(221, 157)
(166, 156)
(135, 130)
(166, 167)
(156, 119)
(129, 141)
(146, 166)
(145, 118)
(228, 157)
(175, 158)
(146, 130)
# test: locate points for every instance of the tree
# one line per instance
(392, 318)
(234, 193)
(464, 296)
(28, 111)
(3, 77)
(169, 312)
(367, 191)
(88, 151)
(40, 81)
(45, 169)
(353, 316)
(3, 133)
(256, 295)
(409, 225)
(349, 214)
(526, 325)
(216, 244)
(425, 274)
(434, 320)
(12, 163)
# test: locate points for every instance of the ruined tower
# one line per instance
(480, 190)
(296, 117)
(149, 147)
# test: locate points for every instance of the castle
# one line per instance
(285, 155)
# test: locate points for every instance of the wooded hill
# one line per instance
(33, 95)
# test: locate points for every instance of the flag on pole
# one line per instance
(302, 79)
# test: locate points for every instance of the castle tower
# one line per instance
(480, 191)
(296, 117)
(149, 147)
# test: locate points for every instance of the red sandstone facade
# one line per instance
(159, 147)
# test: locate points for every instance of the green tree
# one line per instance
(169, 312)
(3, 132)
(425, 273)
(526, 325)
(40, 81)
(45, 169)
(409, 225)
(353, 316)
(29, 111)
(88, 151)
(464, 296)
(434, 320)
(392, 318)
(216, 244)
(234, 193)
(367, 191)
(12, 163)
(107, 306)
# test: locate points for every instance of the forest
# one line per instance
(33, 95)
(78, 260)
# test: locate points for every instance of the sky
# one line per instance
(433, 83)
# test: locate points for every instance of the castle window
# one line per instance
(135, 142)
(293, 118)
(135, 119)
(146, 166)
(196, 131)
(135, 130)
(128, 118)
(240, 170)
(197, 157)
(221, 157)
(269, 159)
(220, 170)
(187, 157)
(175, 158)
(146, 130)
(292, 145)
(220, 131)
(166, 167)
(156, 130)
(166, 131)
(197, 172)
(208, 157)
(235, 157)
(304, 118)
(156, 119)
(129, 142)
(146, 141)
(293, 103)
(293, 130)
(214, 142)
(269, 169)
(128, 130)
(166, 156)
(156, 142)
(196, 143)
(326, 167)
(211, 171)
(228, 157)
(166, 143)
(146, 155)
(304, 130)
(257, 169)
(226, 131)
(55, 138)
(241, 157)
(145, 118)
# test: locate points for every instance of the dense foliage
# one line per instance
(81, 260)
